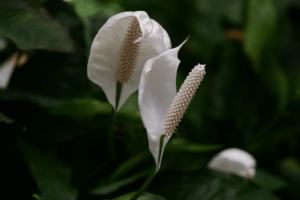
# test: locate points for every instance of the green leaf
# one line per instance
(40, 100)
(290, 167)
(144, 196)
(251, 193)
(267, 180)
(260, 24)
(130, 113)
(116, 180)
(129, 164)
(183, 162)
(204, 185)
(181, 145)
(52, 176)
(207, 26)
(37, 197)
(275, 80)
(110, 187)
(81, 109)
(207, 185)
(5, 119)
(86, 109)
(85, 9)
(32, 28)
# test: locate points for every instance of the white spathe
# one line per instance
(105, 52)
(235, 161)
(157, 90)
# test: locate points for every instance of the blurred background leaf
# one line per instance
(52, 177)
(33, 28)
(249, 99)
(144, 196)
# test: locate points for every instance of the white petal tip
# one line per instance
(234, 161)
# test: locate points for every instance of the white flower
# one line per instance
(160, 110)
(121, 48)
(6, 70)
(235, 161)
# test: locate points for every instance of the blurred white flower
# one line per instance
(119, 52)
(160, 110)
(235, 161)
(6, 70)
(3, 43)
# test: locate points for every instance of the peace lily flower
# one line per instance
(235, 161)
(161, 109)
(121, 48)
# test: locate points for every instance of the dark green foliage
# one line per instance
(54, 120)
(32, 28)
(52, 177)
(145, 196)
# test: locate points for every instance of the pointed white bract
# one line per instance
(157, 91)
(120, 50)
(235, 161)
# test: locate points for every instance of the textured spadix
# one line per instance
(121, 48)
(130, 51)
(235, 161)
(157, 90)
(183, 99)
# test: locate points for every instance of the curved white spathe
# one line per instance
(105, 52)
(235, 161)
(157, 90)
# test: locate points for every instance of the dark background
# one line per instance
(54, 119)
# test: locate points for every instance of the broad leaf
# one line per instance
(81, 109)
(290, 167)
(32, 28)
(52, 176)
(26, 96)
(204, 185)
(110, 187)
(251, 193)
(144, 196)
(129, 165)
(275, 80)
(85, 9)
(260, 24)
(129, 113)
(181, 145)
(267, 180)
(207, 185)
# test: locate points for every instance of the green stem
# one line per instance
(161, 142)
(110, 136)
(119, 89)
(145, 185)
(113, 121)
(87, 35)
(152, 172)
(110, 141)
(94, 173)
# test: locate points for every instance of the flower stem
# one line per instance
(110, 141)
(87, 35)
(110, 136)
(119, 89)
(113, 121)
(145, 185)
(152, 172)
